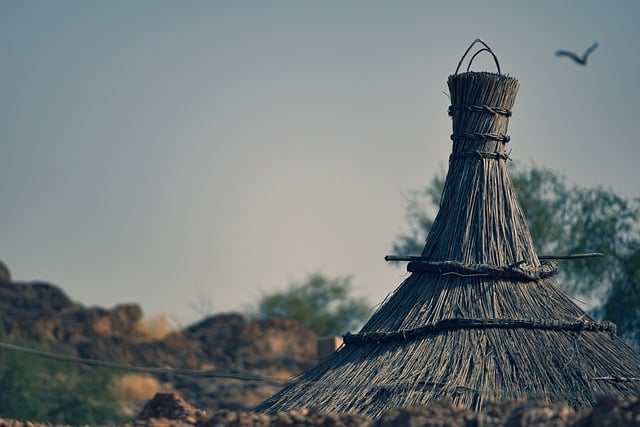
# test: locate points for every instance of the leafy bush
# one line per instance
(44, 390)
(321, 304)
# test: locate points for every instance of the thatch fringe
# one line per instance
(480, 220)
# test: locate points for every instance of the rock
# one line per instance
(267, 345)
(437, 414)
(610, 412)
(170, 406)
(227, 418)
(539, 414)
(43, 312)
(275, 348)
(5, 274)
(34, 296)
(23, 305)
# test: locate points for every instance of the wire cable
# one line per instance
(146, 369)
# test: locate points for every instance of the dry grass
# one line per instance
(135, 388)
(154, 328)
(132, 391)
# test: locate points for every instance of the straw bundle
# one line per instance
(480, 318)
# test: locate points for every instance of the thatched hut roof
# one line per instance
(480, 318)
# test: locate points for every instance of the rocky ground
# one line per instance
(169, 409)
(38, 312)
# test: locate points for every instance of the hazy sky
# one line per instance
(192, 154)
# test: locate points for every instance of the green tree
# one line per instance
(564, 219)
(321, 304)
(44, 390)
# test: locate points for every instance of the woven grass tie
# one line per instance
(517, 271)
(458, 323)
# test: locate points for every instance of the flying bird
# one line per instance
(582, 60)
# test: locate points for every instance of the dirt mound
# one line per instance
(170, 406)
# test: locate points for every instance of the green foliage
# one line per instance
(321, 304)
(44, 390)
(565, 219)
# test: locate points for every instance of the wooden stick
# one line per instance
(569, 256)
(572, 256)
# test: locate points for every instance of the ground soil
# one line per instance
(170, 409)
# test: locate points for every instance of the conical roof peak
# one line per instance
(480, 220)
